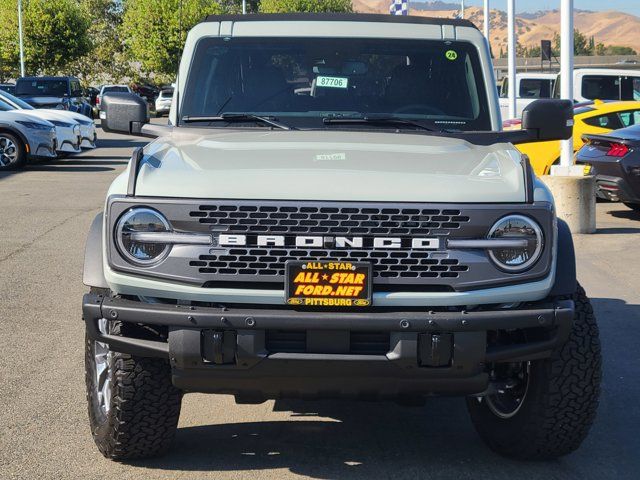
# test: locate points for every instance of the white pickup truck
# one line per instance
(529, 88)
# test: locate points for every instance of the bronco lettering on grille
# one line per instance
(386, 243)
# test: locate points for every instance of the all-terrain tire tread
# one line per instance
(145, 407)
(565, 408)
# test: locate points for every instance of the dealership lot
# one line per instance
(45, 214)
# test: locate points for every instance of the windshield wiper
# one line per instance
(237, 117)
(376, 120)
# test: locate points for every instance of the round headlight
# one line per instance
(143, 220)
(517, 227)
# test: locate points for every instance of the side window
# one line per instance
(629, 118)
(504, 91)
(76, 91)
(601, 87)
(636, 88)
(535, 88)
(610, 121)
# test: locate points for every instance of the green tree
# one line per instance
(235, 6)
(9, 51)
(55, 35)
(317, 6)
(106, 61)
(618, 50)
(581, 44)
(154, 31)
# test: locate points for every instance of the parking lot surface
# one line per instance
(45, 213)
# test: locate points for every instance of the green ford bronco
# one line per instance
(333, 211)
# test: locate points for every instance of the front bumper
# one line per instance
(250, 353)
(88, 136)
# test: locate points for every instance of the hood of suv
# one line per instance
(329, 165)
(42, 101)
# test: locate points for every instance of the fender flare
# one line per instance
(93, 274)
(566, 281)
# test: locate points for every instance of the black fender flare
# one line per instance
(566, 281)
(93, 274)
(14, 131)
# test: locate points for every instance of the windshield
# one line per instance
(116, 89)
(303, 80)
(46, 88)
(17, 102)
(5, 107)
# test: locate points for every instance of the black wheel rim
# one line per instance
(513, 386)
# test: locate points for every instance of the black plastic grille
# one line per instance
(386, 263)
(328, 220)
(300, 220)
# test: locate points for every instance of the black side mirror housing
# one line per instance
(123, 113)
(548, 119)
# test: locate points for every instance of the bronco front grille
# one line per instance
(314, 220)
(386, 263)
(253, 266)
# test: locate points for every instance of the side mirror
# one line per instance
(548, 119)
(123, 113)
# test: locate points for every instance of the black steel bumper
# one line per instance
(228, 350)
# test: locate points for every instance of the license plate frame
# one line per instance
(347, 289)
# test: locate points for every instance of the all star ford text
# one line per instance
(334, 211)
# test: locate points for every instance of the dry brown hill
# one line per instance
(610, 27)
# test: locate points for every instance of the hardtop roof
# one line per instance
(339, 17)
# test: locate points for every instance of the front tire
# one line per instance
(13, 154)
(554, 405)
(133, 406)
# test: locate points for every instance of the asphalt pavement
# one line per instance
(45, 213)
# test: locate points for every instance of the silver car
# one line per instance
(23, 137)
(70, 142)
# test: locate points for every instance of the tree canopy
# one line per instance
(155, 31)
(284, 6)
(55, 35)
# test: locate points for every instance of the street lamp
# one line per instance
(20, 38)
(566, 70)
(511, 52)
(487, 18)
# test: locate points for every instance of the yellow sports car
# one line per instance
(593, 117)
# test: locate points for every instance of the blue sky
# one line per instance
(629, 6)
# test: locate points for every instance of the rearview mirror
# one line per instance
(548, 119)
(123, 113)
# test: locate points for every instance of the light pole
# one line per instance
(511, 52)
(487, 18)
(566, 70)
(462, 9)
(20, 38)
(244, 7)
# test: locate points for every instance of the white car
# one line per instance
(66, 132)
(163, 102)
(23, 138)
(86, 126)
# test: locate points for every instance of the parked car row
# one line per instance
(27, 132)
(589, 84)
